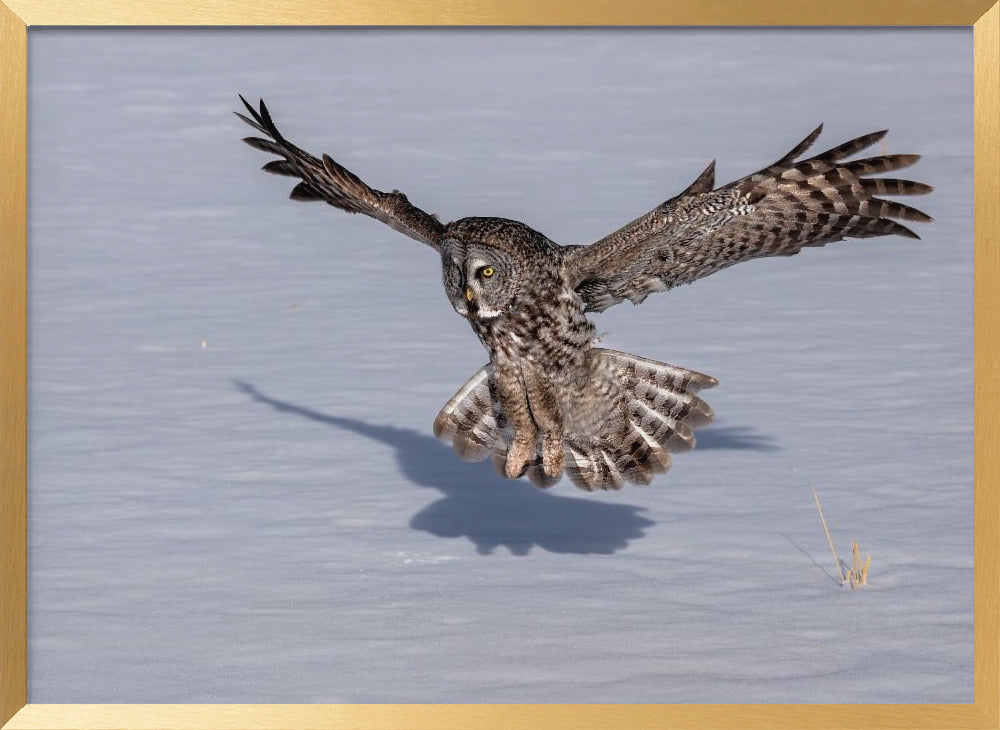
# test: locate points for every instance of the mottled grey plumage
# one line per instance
(549, 401)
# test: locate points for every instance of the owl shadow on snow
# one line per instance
(492, 511)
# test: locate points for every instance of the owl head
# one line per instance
(484, 262)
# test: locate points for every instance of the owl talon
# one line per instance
(518, 457)
(553, 458)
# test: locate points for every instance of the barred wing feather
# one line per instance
(774, 212)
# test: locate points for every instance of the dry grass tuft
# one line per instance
(857, 576)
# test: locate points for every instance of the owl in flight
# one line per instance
(549, 401)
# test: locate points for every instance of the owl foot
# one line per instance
(521, 452)
(553, 458)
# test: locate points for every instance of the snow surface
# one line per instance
(235, 494)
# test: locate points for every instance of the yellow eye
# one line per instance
(487, 272)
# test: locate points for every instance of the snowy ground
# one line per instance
(268, 518)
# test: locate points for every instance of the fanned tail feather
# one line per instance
(657, 410)
(649, 412)
(472, 421)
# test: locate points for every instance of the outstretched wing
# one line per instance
(774, 212)
(328, 181)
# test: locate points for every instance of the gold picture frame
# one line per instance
(16, 16)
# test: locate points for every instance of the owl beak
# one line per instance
(468, 293)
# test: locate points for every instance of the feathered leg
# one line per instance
(547, 416)
(514, 404)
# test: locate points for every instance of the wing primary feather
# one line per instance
(280, 167)
(887, 227)
(253, 112)
(890, 208)
(847, 149)
(268, 123)
(265, 145)
(304, 191)
(801, 147)
(883, 163)
(251, 122)
(890, 186)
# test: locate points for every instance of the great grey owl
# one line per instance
(549, 401)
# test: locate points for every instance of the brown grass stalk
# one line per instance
(829, 540)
